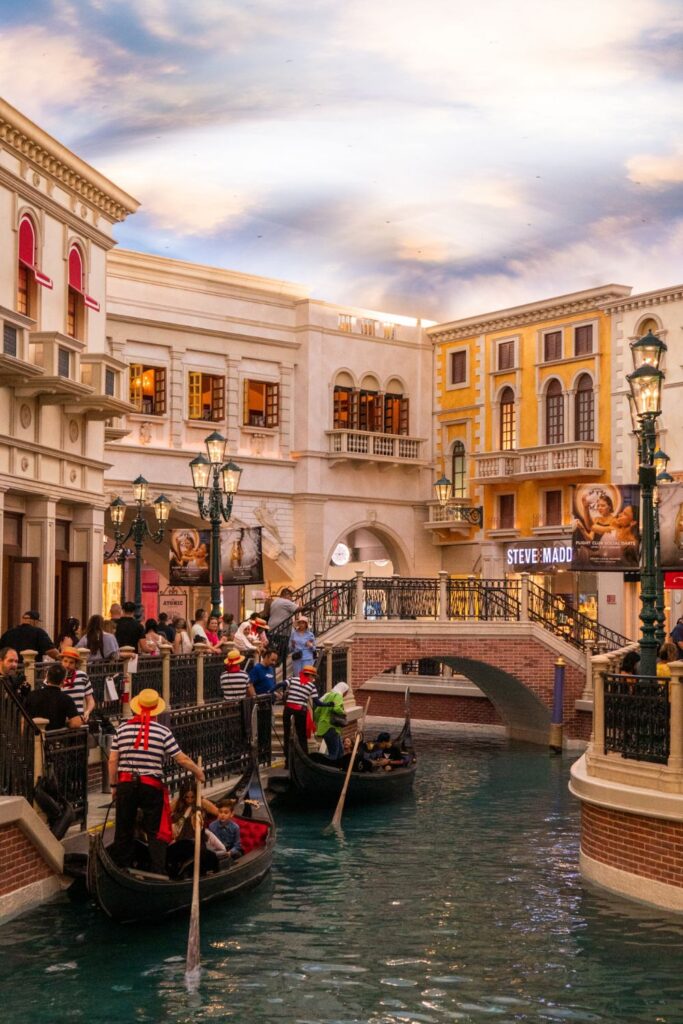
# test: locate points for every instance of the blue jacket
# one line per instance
(229, 835)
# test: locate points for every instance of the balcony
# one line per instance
(58, 357)
(366, 446)
(15, 363)
(105, 375)
(454, 521)
(573, 459)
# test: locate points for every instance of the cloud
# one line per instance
(656, 171)
(42, 72)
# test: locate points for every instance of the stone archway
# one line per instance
(386, 537)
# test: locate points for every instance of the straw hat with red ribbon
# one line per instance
(70, 652)
(234, 658)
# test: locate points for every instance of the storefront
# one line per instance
(548, 563)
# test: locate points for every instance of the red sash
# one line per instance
(165, 833)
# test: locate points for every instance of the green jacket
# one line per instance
(322, 715)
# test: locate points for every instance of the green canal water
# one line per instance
(461, 904)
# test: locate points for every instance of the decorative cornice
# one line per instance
(644, 299)
(31, 143)
(591, 300)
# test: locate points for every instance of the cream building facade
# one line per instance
(58, 380)
(327, 410)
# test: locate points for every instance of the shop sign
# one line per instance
(173, 602)
(532, 557)
(673, 580)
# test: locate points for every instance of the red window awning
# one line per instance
(77, 278)
(27, 251)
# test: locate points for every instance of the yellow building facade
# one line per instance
(522, 415)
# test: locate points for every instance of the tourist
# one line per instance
(151, 643)
(166, 628)
(212, 634)
(262, 674)
(28, 636)
(76, 683)
(51, 702)
(129, 632)
(228, 626)
(198, 631)
(180, 855)
(251, 635)
(301, 690)
(302, 644)
(281, 607)
(385, 754)
(235, 682)
(69, 634)
(101, 645)
(10, 674)
(667, 653)
(330, 718)
(676, 636)
(182, 643)
(136, 774)
(629, 665)
(115, 612)
(226, 829)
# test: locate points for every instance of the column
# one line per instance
(524, 598)
(360, 596)
(87, 545)
(676, 716)
(39, 542)
(443, 596)
(600, 666)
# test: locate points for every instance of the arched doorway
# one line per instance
(375, 549)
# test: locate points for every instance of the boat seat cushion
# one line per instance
(252, 833)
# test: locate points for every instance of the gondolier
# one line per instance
(137, 777)
(76, 683)
(235, 682)
(300, 691)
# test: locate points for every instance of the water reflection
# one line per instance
(461, 904)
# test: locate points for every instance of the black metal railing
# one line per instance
(334, 605)
(637, 717)
(555, 615)
(17, 744)
(219, 733)
(183, 680)
(148, 674)
(395, 598)
(65, 756)
(214, 667)
(107, 678)
(484, 600)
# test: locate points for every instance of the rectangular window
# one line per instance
(206, 397)
(506, 512)
(552, 346)
(345, 322)
(24, 291)
(583, 340)
(261, 404)
(367, 326)
(506, 355)
(63, 362)
(109, 382)
(458, 367)
(552, 513)
(389, 331)
(9, 340)
(148, 389)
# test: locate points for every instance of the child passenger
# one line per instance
(227, 830)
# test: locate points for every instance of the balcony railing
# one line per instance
(366, 445)
(459, 517)
(576, 458)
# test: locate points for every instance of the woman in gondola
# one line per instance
(180, 854)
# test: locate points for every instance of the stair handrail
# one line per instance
(577, 628)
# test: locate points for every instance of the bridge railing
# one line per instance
(398, 598)
(553, 613)
(484, 600)
(637, 714)
(17, 746)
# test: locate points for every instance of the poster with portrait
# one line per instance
(188, 561)
(606, 536)
(241, 556)
(671, 525)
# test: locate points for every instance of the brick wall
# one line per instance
(435, 708)
(20, 862)
(649, 847)
(523, 660)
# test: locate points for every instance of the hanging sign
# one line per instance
(606, 535)
(174, 602)
(241, 556)
(188, 564)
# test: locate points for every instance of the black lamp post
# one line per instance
(216, 483)
(139, 530)
(646, 392)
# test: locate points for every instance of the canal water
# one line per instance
(461, 904)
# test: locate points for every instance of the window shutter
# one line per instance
(135, 389)
(27, 243)
(354, 409)
(379, 413)
(218, 398)
(75, 270)
(404, 416)
(337, 423)
(272, 405)
(160, 391)
(194, 392)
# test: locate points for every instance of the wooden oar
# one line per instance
(192, 962)
(336, 820)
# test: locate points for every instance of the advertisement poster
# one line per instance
(606, 535)
(174, 602)
(188, 564)
(671, 525)
(241, 557)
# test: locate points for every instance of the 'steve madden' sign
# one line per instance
(540, 555)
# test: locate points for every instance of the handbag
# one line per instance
(297, 655)
(337, 719)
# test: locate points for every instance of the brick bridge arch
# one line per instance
(513, 664)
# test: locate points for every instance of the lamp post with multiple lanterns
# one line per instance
(216, 483)
(139, 530)
(646, 405)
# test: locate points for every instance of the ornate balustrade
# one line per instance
(578, 458)
(370, 446)
(637, 717)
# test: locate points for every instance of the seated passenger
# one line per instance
(180, 856)
(385, 754)
(343, 762)
(227, 830)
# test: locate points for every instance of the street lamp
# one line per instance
(472, 514)
(216, 483)
(138, 530)
(646, 405)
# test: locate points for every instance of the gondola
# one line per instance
(131, 895)
(314, 781)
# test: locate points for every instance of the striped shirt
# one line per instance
(78, 687)
(234, 685)
(300, 693)
(162, 744)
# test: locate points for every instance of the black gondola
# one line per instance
(131, 895)
(314, 781)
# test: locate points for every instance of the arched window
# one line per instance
(584, 410)
(459, 470)
(26, 293)
(507, 420)
(554, 413)
(649, 324)
(75, 309)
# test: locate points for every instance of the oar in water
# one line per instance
(336, 820)
(192, 962)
